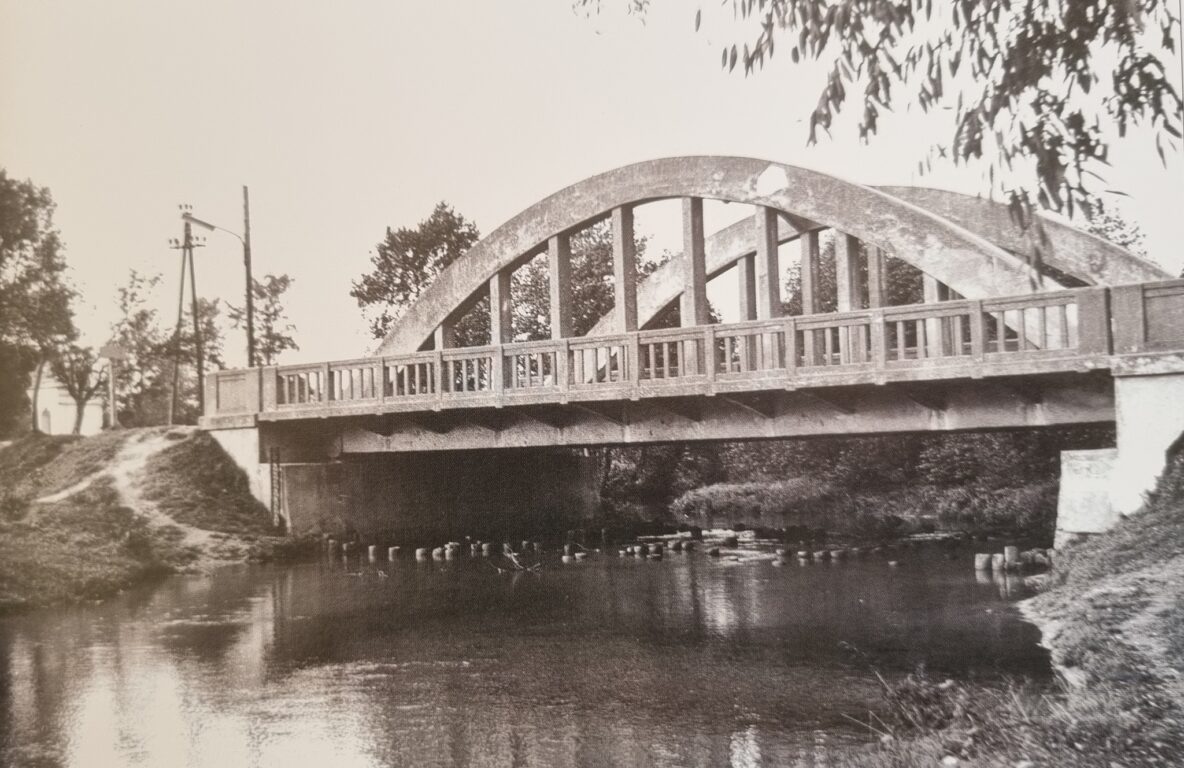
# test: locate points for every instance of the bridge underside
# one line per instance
(947, 405)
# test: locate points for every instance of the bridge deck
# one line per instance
(1065, 331)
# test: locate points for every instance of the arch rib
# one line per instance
(966, 262)
(1079, 254)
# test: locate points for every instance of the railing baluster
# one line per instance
(562, 374)
(789, 330)
(634, 359)
(878, 339)
(978, 342)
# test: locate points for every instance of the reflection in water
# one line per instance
(689, 662)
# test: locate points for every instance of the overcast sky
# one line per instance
(345, 118)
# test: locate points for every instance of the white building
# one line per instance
(56, 409)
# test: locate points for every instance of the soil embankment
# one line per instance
(1112, 616)
(82, 518)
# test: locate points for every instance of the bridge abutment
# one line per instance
(242, 445)
(1099, 487)
(1149, 411)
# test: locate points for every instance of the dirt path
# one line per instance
(126, 474)
(130, 464)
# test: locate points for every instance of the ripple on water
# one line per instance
(686, 661)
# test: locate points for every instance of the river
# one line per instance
(687, 661)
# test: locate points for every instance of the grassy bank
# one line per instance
(82, 518)
(1026, 511)
(1113, 617)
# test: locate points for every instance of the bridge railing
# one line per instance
(903, 341)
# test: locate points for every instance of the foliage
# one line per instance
(1109, 224)
(871, 513)
(77, 369)
(34, 298)
(16, 363)
(649, 478)
(1019, 76)
(140, 379)
(144, 380)
(406, 262)
(995, 481)
(902, 281)
(591, 284)
(35, 314)
(273, 332)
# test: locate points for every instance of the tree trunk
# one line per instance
(37, 391)
(79, 412)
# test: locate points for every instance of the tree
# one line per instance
(142, 381)
(902, 281)
(274, 330)
(1109, 224)
(35, 314)
(145, 380)
(1033, 85)
(591, 284)
(78, 371)
(407, 261)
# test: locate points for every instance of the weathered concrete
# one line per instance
(1150, 416)
(431, 498)
(1083, 502)
(1085, 256)
(243, 446)
(959, 405)
(971, 265)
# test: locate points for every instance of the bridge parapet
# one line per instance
(1070, 330)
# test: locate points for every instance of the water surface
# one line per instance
(688, 661)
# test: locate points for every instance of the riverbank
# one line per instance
(82, 518)
(1112, 616)
(1024, 512)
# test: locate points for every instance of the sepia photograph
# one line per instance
(592, 384)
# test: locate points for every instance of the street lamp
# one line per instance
(245, 239)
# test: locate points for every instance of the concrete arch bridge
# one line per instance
(1008, 335)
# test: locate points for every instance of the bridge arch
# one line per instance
(788, 198)
(1075, 255)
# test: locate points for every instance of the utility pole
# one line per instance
(250, 280)
(186, 246)
(201, 379)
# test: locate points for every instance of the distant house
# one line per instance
(56, 409)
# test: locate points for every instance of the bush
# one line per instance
(1029, 510)
(800, 501)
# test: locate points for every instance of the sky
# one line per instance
(345, 118)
